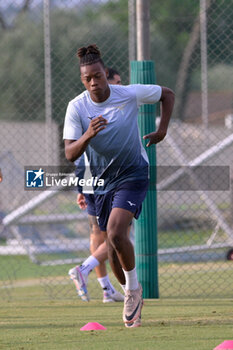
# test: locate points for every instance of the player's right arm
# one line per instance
(75, 148)
(76, 141)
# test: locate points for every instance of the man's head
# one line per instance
(93, 73)
(113, 76)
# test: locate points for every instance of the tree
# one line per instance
(22, 63)
(22, 8)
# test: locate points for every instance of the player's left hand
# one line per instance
(81, 201)
(154, 137)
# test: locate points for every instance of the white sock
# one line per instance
(131, 279)
(88, 265)
(106, 284)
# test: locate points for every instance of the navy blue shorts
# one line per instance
(128, 195)
(90, 200)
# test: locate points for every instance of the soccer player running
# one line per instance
(98, 247)
(102, 121)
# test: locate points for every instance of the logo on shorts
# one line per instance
(35, 178)
(130, 203)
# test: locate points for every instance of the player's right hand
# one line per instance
(81, 201)
(96, 125)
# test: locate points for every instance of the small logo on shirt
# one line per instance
(121, 107)
(130, 203)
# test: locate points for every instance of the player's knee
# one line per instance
(115, 239)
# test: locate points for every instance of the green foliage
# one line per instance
(106, 24)
(171, 23)
(21, 71)
(22, 64)
(69, 32)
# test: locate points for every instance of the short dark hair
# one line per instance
(89, 55)
(111, 73)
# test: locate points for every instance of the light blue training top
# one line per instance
(115, 154)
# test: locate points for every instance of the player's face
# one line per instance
(94, 79)
(116, 80)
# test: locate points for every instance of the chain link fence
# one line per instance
(43, 233)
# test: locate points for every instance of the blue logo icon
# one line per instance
(35, 178)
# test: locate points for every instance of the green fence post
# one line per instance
(143, 72)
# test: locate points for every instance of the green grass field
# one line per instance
(40, 310)
(176, 280)
(34, 322)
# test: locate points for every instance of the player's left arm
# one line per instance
(167, 100)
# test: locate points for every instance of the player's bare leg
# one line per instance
(101, 254)
(117, 231)
(97, 237)
(79, 274)
(119, 241)
(115, 264)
